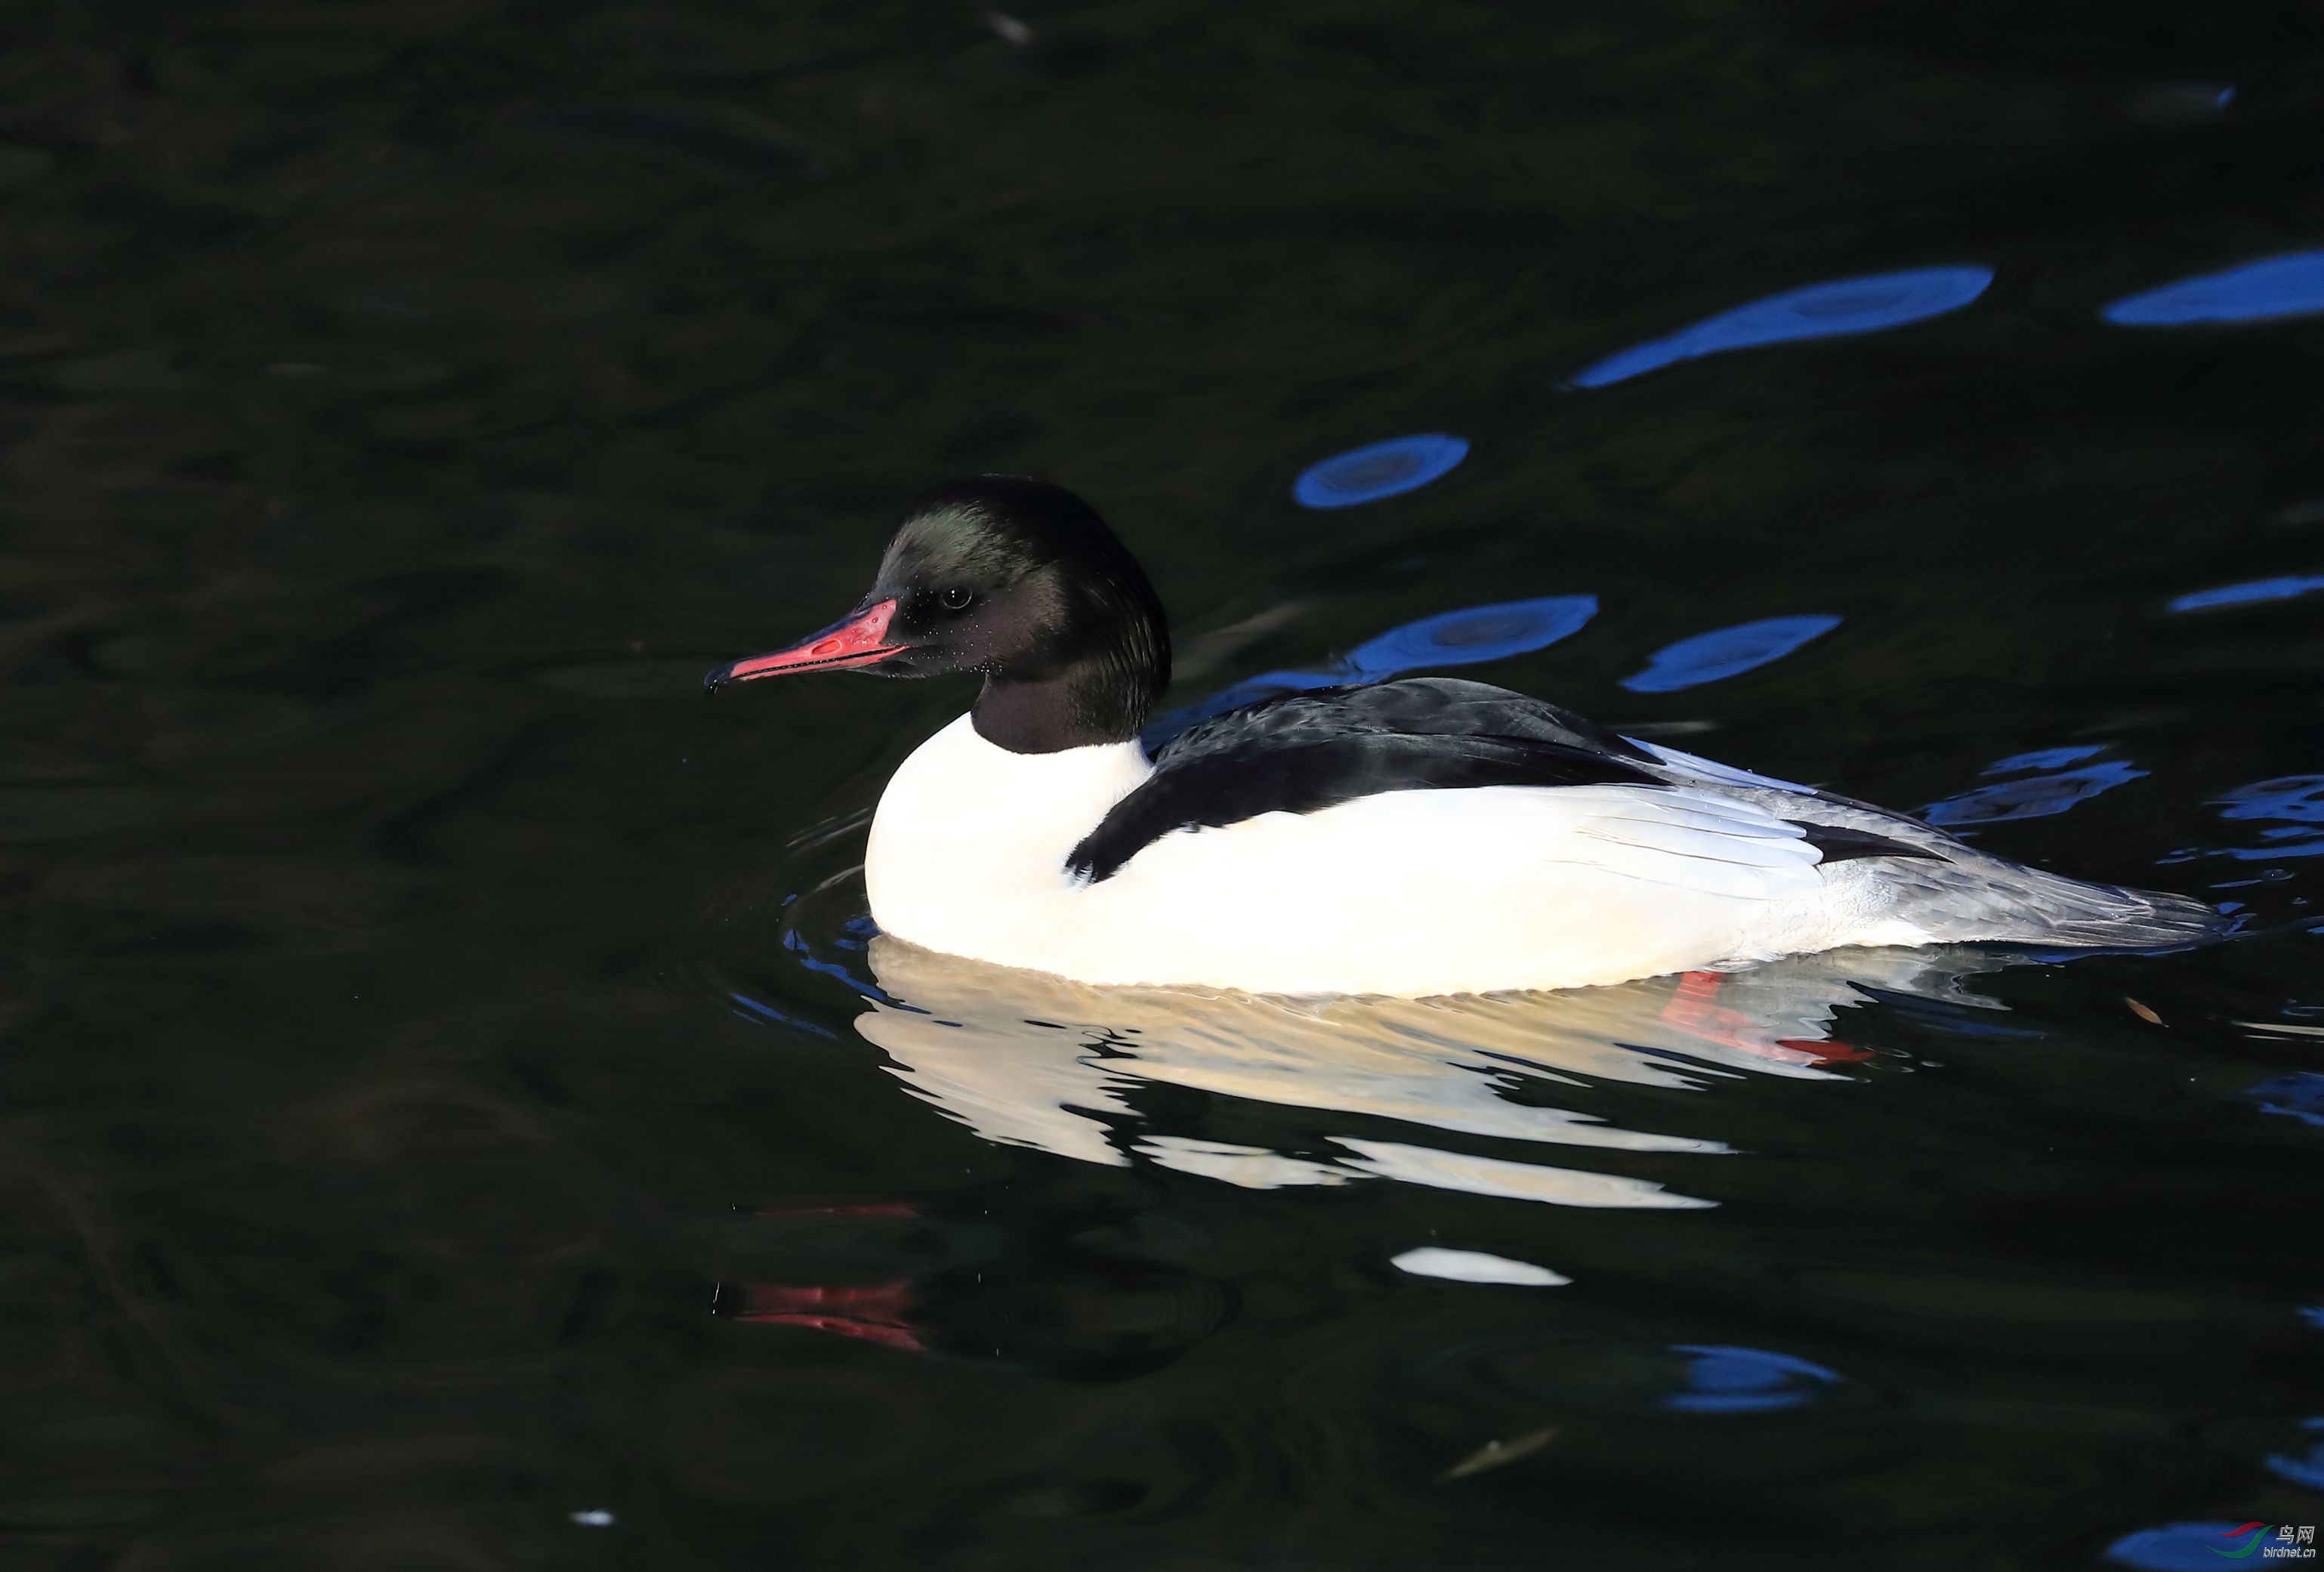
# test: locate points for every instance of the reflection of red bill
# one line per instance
(1695, 1009)
(878, 1313)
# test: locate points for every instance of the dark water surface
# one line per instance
(453, 1111)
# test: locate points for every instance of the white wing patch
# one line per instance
(1690, 840)
(1712, 769)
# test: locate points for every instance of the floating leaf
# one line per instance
(1494, 1454)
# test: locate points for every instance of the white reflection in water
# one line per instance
(1476, 1266)
(1027, 1060)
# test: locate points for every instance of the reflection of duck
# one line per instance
(1025, 1060)
(1416, 838)
(1100, 1302)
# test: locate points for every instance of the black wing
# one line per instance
(1310, 750)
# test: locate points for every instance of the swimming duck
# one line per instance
(1416, 838)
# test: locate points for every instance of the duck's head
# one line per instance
(1018, 580)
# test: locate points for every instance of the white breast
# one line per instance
(968, 848)
(1410, 892)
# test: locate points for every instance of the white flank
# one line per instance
(1411, 893)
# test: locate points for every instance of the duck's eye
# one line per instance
(957, 598)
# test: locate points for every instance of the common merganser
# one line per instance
(1416, 838)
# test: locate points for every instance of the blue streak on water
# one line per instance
(806, 956)
(2313, 1315)
(2258, 590)
(2297, 799)
(2177, 1547)
(2313, 847)
(1381, 469)
(1250, 691)
(2308, 1468)
(2299, 1096)
(2266, 290)
(1824, 310)
(1722, 1379)
(2042, 759)
(1470, 637)
(2032, 796)
(761, 1010)
(1726, 652)
(1454, 638)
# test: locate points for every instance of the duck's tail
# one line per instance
(1983, 898)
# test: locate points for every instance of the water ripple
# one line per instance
(2298, 1096)
(1688, 1378)
(1381, 469)
(1723, 1380)
(2307, 1468)
(1473, 635)
(1030, 1060)
(2296, 800)
(1726, 652)
(1824, 310)
(2186, 1546)
(1467, 637)
(2036, 796)
(2256, 591)
(2266, 290)
(1475, 1266)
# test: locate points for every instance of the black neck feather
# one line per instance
(1098, 687)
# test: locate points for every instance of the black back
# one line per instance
(1311, 751)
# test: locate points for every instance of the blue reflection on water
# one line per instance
(2258, 589)
(760, 1010)
(1250, 691)
(1452, 638)
(1482, 633)
(1388, 468)
(853, 937)
(2042, 759)
(2181, 1547)
(2034, 796)
(1825, 311)
(2313, 1315)
(2257, 292)
(1727, 1380)
(2293, 797)
(2298, 800)
(2299, 1096)
(1944, 1015)
(2308, 1468)
(1708, 657)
